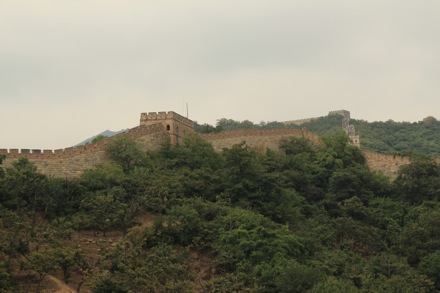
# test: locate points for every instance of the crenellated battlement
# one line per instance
(175, 125)
(78, 150)
(157, 117)
(343, 113)
(156, 127)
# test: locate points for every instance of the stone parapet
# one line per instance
(299, 132)
(156, 117)
(78, 150)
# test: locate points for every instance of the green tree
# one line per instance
(25, 186)
(182, 224)
(107, 284)
(42, 262)
(334, 285)
(421, 237)
(103, 177)
(63, 197)
(103, 212)
(98, 138)
(126, 152)
(199, 153)
(419, 180)
(430, 266)
(69, 259)
(298, 278)
(2, 157)
(5, 278)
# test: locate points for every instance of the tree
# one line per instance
(419, 180)
(103, 177)
(183, 224)
(103, 212)
(107, 284)
(42, 262)
(430, 266)
(24, 185)
(295, 146)
(126, 152)
(421, 237)
(2, 157)
(98, 138)
(199, 153)
(334, 285)
(5, 278)
(298, 278)
(62, 197)
(243, 174)
(69, 259)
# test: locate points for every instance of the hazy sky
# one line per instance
(72, 69)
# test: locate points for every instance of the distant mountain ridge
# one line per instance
(106, 133)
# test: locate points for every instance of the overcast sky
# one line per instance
(72, 69)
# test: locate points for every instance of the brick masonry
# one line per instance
(156, 128)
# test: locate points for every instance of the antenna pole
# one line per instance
(186, 109)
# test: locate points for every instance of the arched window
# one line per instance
(168, 127)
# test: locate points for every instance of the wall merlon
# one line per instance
(150, 117)
(68, 151)
(58, 152)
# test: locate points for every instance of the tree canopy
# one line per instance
(306, 218)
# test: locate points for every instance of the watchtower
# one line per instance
(174, 124)
(348, 128)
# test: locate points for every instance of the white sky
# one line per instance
(72, 69)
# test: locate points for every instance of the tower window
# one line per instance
(168, 127)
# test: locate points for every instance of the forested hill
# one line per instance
(185, 218)
(387, 137)
(383, 137)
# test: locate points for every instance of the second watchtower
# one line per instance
(174, 124)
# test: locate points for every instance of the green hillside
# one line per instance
(310, 218)
(387, 137)
(383, 137)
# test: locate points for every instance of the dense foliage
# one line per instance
(307, 218)
(387, 137)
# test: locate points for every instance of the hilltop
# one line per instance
(390, 137)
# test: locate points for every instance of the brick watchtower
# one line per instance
(174, 124)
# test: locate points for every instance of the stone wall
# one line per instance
(73, 161)
(174, 124)
(255, 138)
(387, 164)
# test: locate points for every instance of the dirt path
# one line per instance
(60, 286)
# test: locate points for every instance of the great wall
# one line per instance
(157, 127)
